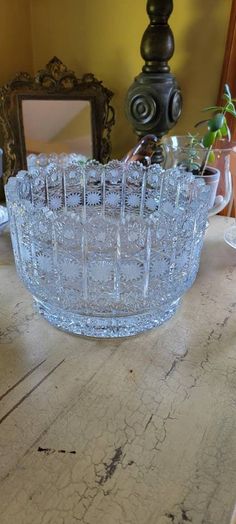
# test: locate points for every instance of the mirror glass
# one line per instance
(57, 126)
(53, 113)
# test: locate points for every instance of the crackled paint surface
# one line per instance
(133, 431)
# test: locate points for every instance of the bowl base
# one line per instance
(105, 327)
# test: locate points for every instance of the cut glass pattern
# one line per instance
(106, 250)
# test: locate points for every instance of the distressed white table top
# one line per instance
(132, 431)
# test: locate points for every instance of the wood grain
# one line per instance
(228, 76)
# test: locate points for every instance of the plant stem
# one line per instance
(204, 163)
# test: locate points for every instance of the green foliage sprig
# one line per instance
(217, 126)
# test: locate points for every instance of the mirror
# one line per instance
(57, 126)
(54, 112)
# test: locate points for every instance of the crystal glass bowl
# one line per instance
(43, 160)
(107, 251)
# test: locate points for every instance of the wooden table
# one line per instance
(132, 431)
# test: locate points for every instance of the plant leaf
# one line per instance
(227, 97)
(211, 157)
(230, 105)
(194, 137)
(232, 112)
(227, 90)
(209, 139)
(216, 122)
(213, 108)
(201, 123)
(228, 133)
(224, 129)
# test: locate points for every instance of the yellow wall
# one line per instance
(103, 37)
(15, 38)
(15, 41)
(200, 29)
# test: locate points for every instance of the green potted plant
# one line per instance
(217, 127)
(208, 155)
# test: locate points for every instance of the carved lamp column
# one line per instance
(154, 102)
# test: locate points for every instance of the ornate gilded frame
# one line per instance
(54, 82)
